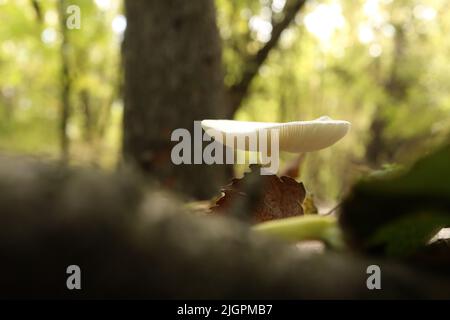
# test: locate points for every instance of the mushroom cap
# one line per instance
(297, 136)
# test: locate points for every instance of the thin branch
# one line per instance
(238, 91)
(335, 208)
(65, 85)
(38, 10)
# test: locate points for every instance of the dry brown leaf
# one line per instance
(280, 197)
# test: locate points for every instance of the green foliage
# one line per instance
(406, 235)
(372, 60)
(30, 67)
(425, 178)
(397, 214)
(355, 67)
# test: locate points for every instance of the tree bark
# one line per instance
(173, 76)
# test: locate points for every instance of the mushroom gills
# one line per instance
(294, 137)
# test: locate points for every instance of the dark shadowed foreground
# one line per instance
(137, 243)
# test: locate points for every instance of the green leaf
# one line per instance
(407, 234)
(308, 227)
(396, 214)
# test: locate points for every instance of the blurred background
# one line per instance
(383, 65)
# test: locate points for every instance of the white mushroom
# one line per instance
(296, 137)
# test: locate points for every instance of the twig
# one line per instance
(238, 91)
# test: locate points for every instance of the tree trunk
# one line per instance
(378, 149)
(173, 76)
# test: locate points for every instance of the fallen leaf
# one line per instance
(277, 197)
